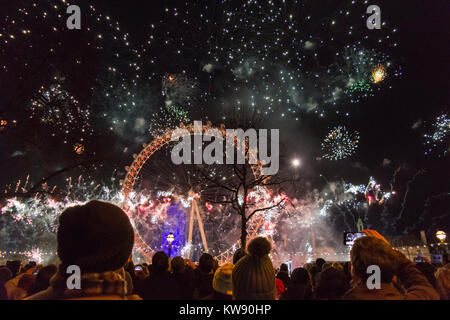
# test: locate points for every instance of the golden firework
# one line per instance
(378, 73)
(3, 124)
(78, 148)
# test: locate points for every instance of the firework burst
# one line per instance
(340, 143)
(438, 141)
(56, 107)
(179, 90)
(279, 59)
(378, 74)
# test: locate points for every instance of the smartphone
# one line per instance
(350, 237)
(138, 268)
(35, 272)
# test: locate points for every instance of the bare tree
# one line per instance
(231, 185)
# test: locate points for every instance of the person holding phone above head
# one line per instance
(350, 237)
(43, 277)
(375, 250)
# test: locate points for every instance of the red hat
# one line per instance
(280, 286)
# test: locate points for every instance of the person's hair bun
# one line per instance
(259, 247)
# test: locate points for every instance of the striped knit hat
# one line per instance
(222, 279)
(253, 276)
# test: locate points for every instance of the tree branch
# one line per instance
(36, 186)
(266, 208)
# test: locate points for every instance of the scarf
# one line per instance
(92, 284)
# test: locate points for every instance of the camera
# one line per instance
(350, 237)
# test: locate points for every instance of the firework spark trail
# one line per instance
(179, 89)
(69, 107)
(276, 65)
(282, 78)
(55, 107)
(36, 218)
(439, 140)
(340, 143)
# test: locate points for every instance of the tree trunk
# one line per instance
(243, 232)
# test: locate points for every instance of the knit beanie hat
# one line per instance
(97, 237)
(238, 254)
(222, 279)
(253, 276)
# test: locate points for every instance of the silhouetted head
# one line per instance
(206, 263)
(367, 251)
(160, 262)
(14, 267)
(332, 285)
(96, 236)
(177, 264)
(320, 262)
(30, 265)
(300, 276)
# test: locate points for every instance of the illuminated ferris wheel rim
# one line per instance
(140, 160)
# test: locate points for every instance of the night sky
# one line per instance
(391, 123)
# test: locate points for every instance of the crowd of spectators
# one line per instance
(98, 238)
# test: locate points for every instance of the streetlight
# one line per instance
(441, 236)
(296, 162)
(170, 238)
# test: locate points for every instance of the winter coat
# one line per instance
(160, 286)
(202, 283)
(297, 292)
(415, 283)
(185, 281)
